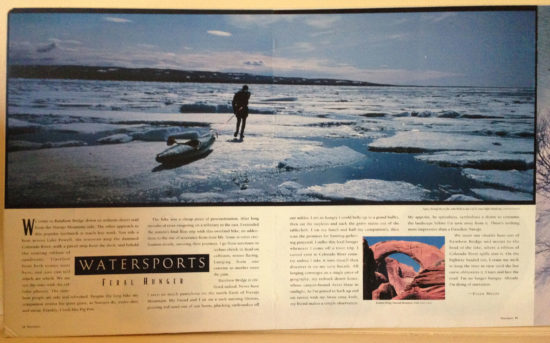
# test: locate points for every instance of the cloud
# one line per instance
(219, 33)
(146, 46)
(254, 63)
(401, 21)
(302, 46)
(46, 48)
(64, 42)
(444, 16)
(262, 20)
(321, 33)
(438, 17)
(117, 20)
(229, 61)
(323, 68)
(322, 21)
(398, 36)
(51, 45)
(402, 76)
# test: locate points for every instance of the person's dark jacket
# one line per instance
(240, 103)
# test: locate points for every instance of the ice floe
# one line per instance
(480, 160)
(309, 156)
(284, 99)
(115, 139)
(158, 134)
(461, 197)
(289, 187)
(512, 179)
(369, 190)
(20, 126)
(481, 127)
(203, 197)
(497, 194)
(26, 145)
(417, 141)
(201, 107)
(14, 145)
(297, 131)
(86, 128)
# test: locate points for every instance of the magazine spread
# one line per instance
(185, 171)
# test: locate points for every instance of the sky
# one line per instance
(468, 48)
(437, 241)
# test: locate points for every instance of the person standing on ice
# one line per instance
(240, 109)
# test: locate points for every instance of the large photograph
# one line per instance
(111, 108)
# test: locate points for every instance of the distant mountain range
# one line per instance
(164, 75)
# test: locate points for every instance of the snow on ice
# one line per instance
(497, 194)
(369, 190)
(512, 179)
(480, 160)
(416, 141)
(298, 142)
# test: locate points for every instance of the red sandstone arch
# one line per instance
(426, 255)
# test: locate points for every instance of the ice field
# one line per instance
(73, 143)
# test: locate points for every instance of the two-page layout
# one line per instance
(179, 171)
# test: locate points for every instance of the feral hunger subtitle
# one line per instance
(141, 264)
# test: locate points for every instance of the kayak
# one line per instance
(185, 136)
(186, 150)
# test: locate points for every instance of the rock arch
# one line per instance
(426, 255)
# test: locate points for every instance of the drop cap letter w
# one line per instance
(28, 226)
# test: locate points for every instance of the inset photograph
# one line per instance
(404, 268)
